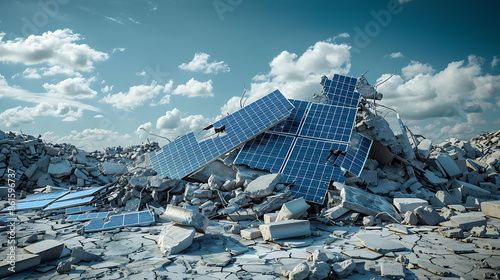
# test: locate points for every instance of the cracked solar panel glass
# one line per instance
(328, 122)
(292, 123)
(88, 216)
(266, 151)
(121, 220)
(340, 91)
(186, 155)
(310, 167)
(68, 203)
(357, 152)
(79, 209)
(82, 193)
(45, 196)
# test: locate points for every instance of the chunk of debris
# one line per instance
(250, 233)
(379, 244)
(173, 239)
(285, 229)
(428, 216)
(392, 270)
(300, 272)
(292, 210)
(491, 208)
(435, 269)
(47, 249)
(467, 221)
(185, 217)
(343, 269)
(408, 204)
(23, 262)
(263, 185)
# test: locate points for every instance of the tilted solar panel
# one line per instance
(186, 155)
(340, 90)
(68, 203)
(141, 218)
(79, 209)
(292, 123)
(357, 152)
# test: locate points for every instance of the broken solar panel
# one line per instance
(357, 152)
(37, 201)
(68, 203)
(79, 209)
(88, 216)
(82, 193)
(305, 146)
(186, 155)
(141, 218)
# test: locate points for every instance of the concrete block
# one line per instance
(173, 239)
(47, 249)
(22, 262)
(492, 188)
(366, 203)
(114, 168)
(343, 269)
(491, 208)
(335, 212)
(471, 190)
(185, 217)
(379, 244)
(250, 233)
(424, 148)
(285, 229)
(449, 165)
(428, 216)
(393, 270)
(60, 169)
(467, 221)
(263, 186)
(408, 204)
(243, 215)
(270, 217)
(370, 176)
(443, 198)
(293, 209)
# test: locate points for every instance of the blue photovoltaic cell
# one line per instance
(266, 151)
(186, 155)
(292, 123)
(68, 203)
(44, 196)
(6, 218)
(79, 209)
(28, 205)
(141, 218)
(340, 91)
(83, 193)
(329, 122)
(357, 152)
(311, 169)
(88, 216)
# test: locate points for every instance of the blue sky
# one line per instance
(93, 72)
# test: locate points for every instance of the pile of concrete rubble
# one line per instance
(419, 210)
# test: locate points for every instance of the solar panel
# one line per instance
(141, 218)
(44, 196)
(186, 155)
(292, 123)
(328, 122)
(310, 167)
(28, 205)
(340, 90)
(267, 151)
(79, 209)
(6, 218)
(357, 152)
(88, 216)
(82, 193)
(68, 203)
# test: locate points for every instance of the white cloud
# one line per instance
(91, 139)
(78, 88)
(194, 88)
(69, 119)
(297, 76)
(140, 130)
(396, 55)
(118, 50)
(98, 116)
(37, 73)
(117, 20)
(106, 89)
(494, 61)
(14, 117)
(172, 124)
(415, 68)
(136, 95)
(133, 20)
(17, 93)
(53, 48)
(200, 64)
(341, 35)
(461, 94)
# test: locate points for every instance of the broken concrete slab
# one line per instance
(47, 249)
(173, 239)
(185, 217)
(392, 270)
(367, 203)
(471, 190)
(60, 169)
(335, 212)
(428, 216)
(362, 254)
(379, 244)
(467, 221)
(300, 272)
(80, 254)
(397, 228)
(293, 209)
(343, 269)
(270, 217)
(263, 185)
(216, 259)
(443, 198)
(114, 168)
(435, 269)
(285, 229)
(424, 148)
(449, 165)
(250, 233)
(408, 204)
(22, 262)
(491, 208)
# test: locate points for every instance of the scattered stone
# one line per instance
(409, 218)
(393, 270)
(23, 262)
(467, 221)
(319, 256)
(185, 217)
(408, 204)
(397, 228)
(292, 210)
(285, 229)
(451, 232)
(80, 254)
(435, 269)
(362, 254)
(379, 244)
(263, 185)
(319, 271)
(428, 216)
(270, 217)
(47, 249)
(250, 233)
(173, 239)
(478, 231)
(368, 221)
(300, 272)
(63, 267)
(216, 259)
(343, 269)
(449, 165)
(491, 208)
(32, 238)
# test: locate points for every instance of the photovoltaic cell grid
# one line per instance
(186, 155)
(266, 151)
(340, 90)
(79, 209)
(88, 216)
(357, 152)
(308, 167)
(68, 203)
(313, 127)
(141, 218)
(82, 193)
